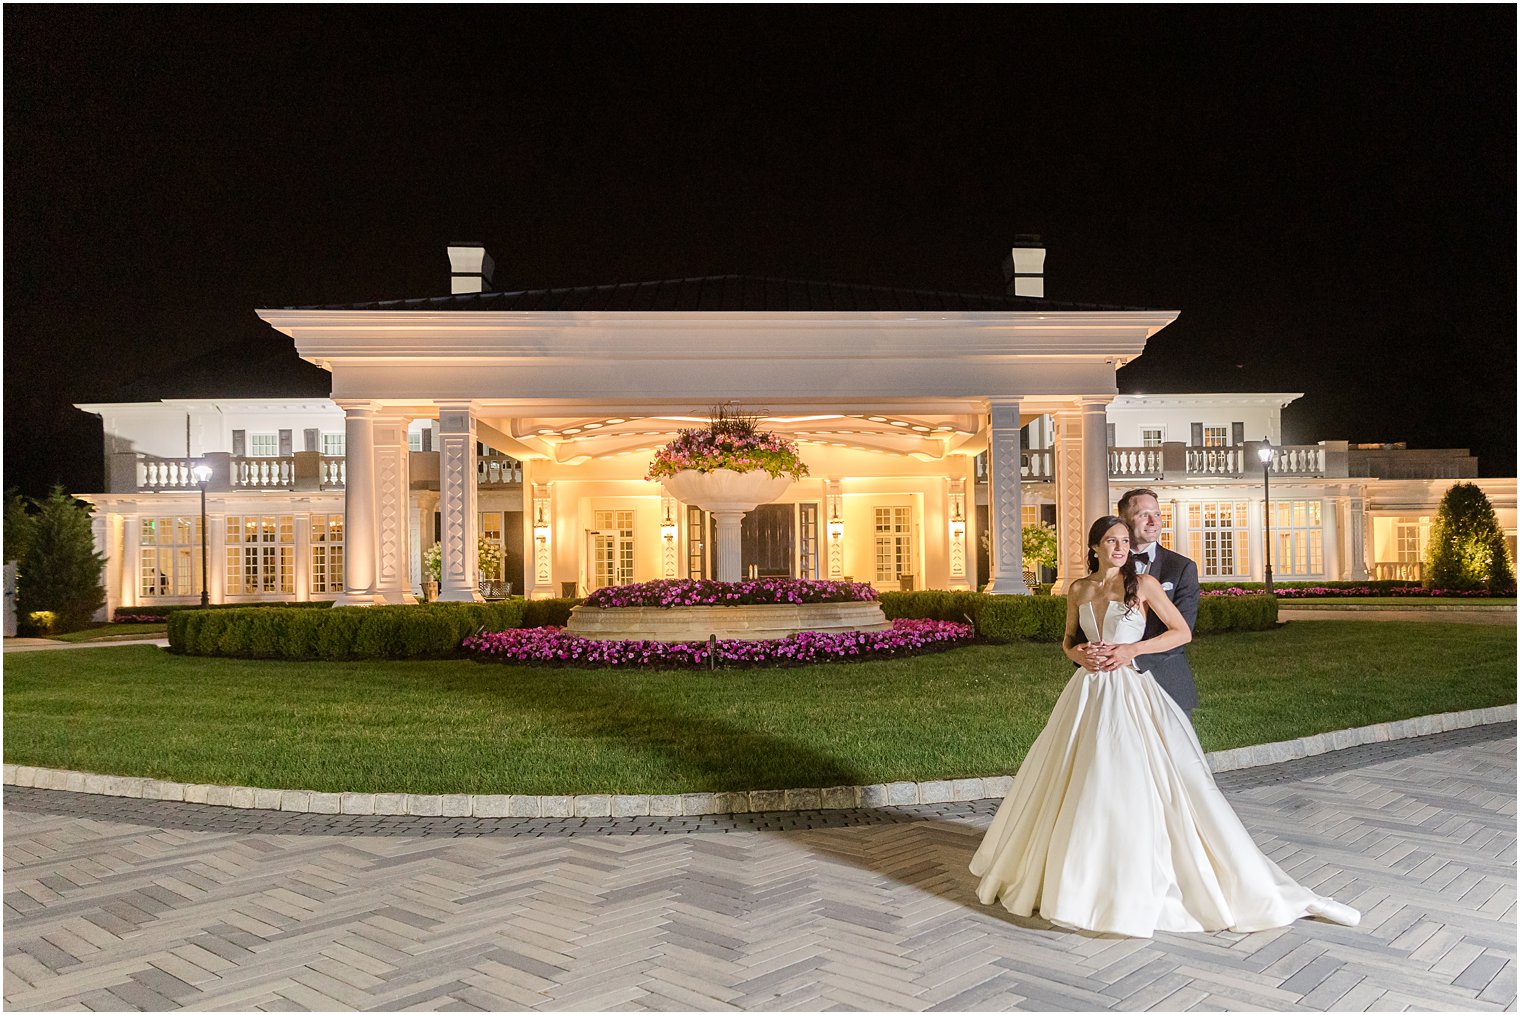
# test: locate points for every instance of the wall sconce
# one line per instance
(668, 533)
(541, 534)
(957, 528)
(836, 528)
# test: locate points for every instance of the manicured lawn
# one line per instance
(115, 632)
(459, 726)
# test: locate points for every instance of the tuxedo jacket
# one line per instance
(1178, 576)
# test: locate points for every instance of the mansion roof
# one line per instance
(726, 292)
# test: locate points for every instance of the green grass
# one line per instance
(115, 632)
(458, 726)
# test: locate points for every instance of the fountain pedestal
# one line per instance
(729, 495)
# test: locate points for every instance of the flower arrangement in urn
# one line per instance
(731, 440)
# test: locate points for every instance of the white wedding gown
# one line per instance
(1114, 823)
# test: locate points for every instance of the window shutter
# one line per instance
(1196, 435)
(427, 438)
(1111, 437)
(240, 442)
(312, 440)
(1237, 434)
(286, 444)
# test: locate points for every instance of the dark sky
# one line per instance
(1327, 194)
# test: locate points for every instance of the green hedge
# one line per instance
(424, 631)
(163, 612)
(1378, 586)
(1043, 618)
(548, 612)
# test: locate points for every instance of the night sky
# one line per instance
(1326, 194)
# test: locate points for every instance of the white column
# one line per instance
(1179, 528)
(1071, 523)
(392, 492)
(302, 509)
(1004, 499)
(1356, 540)
(1095, 495)
(1330, 537)
(360, 546)
(100, 532)
(959, 529)
(456, 498)
(131, 543)
(1256, 523)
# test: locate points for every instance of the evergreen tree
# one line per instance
(1467, 548)
(18, 526)
(60, 570)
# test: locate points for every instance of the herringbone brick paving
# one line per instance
(130, 904)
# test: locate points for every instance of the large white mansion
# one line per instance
(530, 417)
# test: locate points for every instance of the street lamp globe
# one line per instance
(1264, 453)
(202, 473)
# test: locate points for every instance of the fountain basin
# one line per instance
(747, 623)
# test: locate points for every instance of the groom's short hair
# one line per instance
(1131, 495)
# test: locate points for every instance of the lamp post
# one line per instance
(1265, 454)
(202, 474)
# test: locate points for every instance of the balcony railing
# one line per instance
(1134, 463)
(165, 473)
(264, 473)
(498, 470)
(1173, 462)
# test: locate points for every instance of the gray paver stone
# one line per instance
(119, 785)
(997, 785)
(803, 799)
(1342, 739)
(325, 803)
(424, 805)
(556, 806)
(298, 800)
(357, 803)
(524, 806)
(266, 799)
(390, 803)
(25, 775)
(874, 796)
(902, 792)
(242, 796)
(626, 806)
(456, 805)
(51, 778)
(767, 800)
(74, 782)
(840, 797)
(94, 784)
(967, 789)
(8, 774)
(935, 791)
(195, 793)
(490, 805)
(699, 803)
(731, 803)
(665, 804)
(219, 796)
(592, 805)
(160, 790)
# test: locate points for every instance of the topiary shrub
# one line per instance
(162, 612)
(427, 631)
(1467, 549)
(1217, 614)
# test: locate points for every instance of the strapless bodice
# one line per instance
(1120, 624)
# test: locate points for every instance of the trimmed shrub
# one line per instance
(547, 612)
(1043, 618)
(1467, 549)
(161, 612)
(425, 631)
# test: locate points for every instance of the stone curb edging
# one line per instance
(1448, 606)
(462, 805)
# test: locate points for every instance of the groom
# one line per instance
(1178, 576)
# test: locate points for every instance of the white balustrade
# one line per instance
(1037, 464)
(1401, 570)
(498, 470)
(1134, 463)
(272, 473)
(1215, 462)
(165, 473)
(333, 472)
(1298, 460)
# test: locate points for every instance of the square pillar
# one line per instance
(392, 493)
(1356, 540)
(539, 561)
(457, 470)
(1005, 500)
(1082, 493)
(959, 528)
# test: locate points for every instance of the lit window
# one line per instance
(263, 445)
(1219, 538)
(1216, 436)
(1152, 437)
(260, 554)
(1298, 541)
(332, 445)
(169, 556)
(327, 553)
(894, 543)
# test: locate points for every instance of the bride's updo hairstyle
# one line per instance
(1131, 576)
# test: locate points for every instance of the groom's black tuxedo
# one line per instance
(1178, 576)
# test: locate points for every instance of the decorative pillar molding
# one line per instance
(1256, 527)
(392, 491)
(360, 545)
(1356, 541)
(100, 535)
(1071, 526)
(131, 566)
(670, 529)
(216, 555)
(1005, 500)
(1330, 543)
(959, 525)
(542, 517)
(456, 485)
(834, 512)
(302, 583)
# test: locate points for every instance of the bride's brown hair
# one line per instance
(1131, 576)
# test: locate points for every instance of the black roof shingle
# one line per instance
(725, 292)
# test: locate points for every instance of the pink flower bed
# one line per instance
(755, 592)
(552, 646)
(1320, 592)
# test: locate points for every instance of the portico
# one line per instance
(890, 409)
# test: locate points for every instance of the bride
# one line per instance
(1114, 823)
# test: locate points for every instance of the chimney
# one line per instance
(1024, 268)
(471, 268)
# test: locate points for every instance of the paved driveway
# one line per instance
(114, 903)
